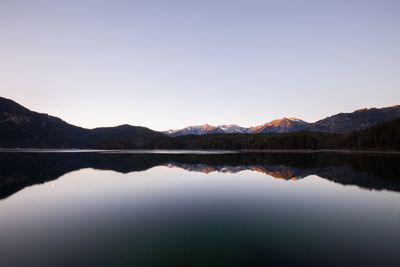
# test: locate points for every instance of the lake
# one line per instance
(99, 208)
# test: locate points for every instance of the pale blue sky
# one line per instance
(169, 64)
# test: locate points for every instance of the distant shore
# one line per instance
(192, 151)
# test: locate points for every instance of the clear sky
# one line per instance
(169, 64)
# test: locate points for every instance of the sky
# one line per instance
(170, 64)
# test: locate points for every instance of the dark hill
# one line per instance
(357, 120)
(124, 136)
(21, 127)
(384, 136)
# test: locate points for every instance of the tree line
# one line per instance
(385, 136)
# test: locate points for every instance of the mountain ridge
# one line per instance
(344, 122)
(23, 128)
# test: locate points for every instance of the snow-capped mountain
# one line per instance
(233, 128)
(339, 123)
(285, 125)
(195, 130)
(207, 129)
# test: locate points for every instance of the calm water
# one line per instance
(254, 209)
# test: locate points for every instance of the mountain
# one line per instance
(383, 136)
(124, 136)
(285, 125)
(339, 123)
(195, 130)
(21, 127)
(233, 129)
(207, 129)
(357, 120)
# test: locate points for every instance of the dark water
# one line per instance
(254, 209)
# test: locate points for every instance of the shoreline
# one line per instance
(194, 151)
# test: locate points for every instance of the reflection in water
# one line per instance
(373, 172)
(142, 210)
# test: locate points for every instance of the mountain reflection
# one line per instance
(281, 172)
(372, 171)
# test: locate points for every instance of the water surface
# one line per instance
(199, 209)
